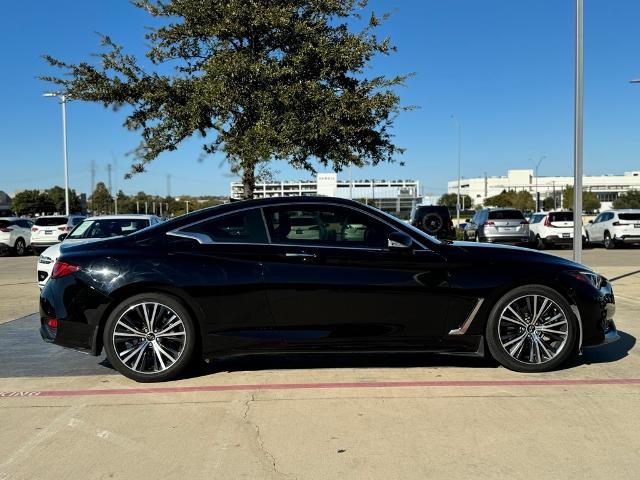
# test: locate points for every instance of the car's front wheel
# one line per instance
(532, 329)
(609, 243)
(150, 337)
(20, 247)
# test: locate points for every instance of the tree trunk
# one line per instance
(248, 183)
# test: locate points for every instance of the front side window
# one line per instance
(325, 225)
(241, 227)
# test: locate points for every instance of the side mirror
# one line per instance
(399, 241)
(468, 220)
(62, 236)
(590, 221)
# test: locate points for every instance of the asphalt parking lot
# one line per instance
(68, 415)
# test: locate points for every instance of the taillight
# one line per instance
(547, 223)
(524, 222)
(34, 229)
(616, 224)
(5, 229)
(52, 322)
(489, 223)
(62, 269)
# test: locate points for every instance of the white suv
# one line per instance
(615, 227)
(15, 235)
(552, 228)
(47, 229)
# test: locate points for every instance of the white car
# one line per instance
(615, 227)
(552, 228)
(47, 230)
(91, 230)
(15, 235)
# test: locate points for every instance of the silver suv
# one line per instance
(615, 227)
(499, 225)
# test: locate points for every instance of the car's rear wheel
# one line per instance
(540, 243)
(150, 337)
(532, 329)
(19, 247)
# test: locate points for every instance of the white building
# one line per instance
(390, 195)
(606, 187)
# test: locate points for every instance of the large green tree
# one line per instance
(32, 202)
(521, 200)
(56, 195)
(259, 79)
(590, 201)
(101, 200)
(630, 199)
(450, 200)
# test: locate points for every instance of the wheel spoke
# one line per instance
(512, 320)
(511, 342)
(516, 314)
(543, 308)
(548, 330)
(146, 316)
(153, 316)
(173, 325)
(140, 346)
(168, 335)
(131, 329)
(544, 348)
(156, 350)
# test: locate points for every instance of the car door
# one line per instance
(219, 259)
(344, 287)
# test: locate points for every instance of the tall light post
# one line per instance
(63, 102)
(577, 135)
(455, 120)
(537, 166)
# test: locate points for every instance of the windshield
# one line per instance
(505, 215)
(561, 217)
(106, 228)
(51, 221)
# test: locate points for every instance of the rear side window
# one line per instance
(243, 227)
(537, 218)
(505, 215)
(51, 221)
(5, 223)
(629, 216)
(561, 217)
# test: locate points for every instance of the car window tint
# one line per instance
(537, 218)
(76, 220)
(51, 221)
(242, 227)
(629, 216)
(561, 217)
(5, 223)
(325, 225)
(505, 215)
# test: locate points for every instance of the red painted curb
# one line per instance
(333, 385)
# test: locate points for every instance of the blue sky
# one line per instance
(503, 67)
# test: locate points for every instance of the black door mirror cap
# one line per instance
(62, 236)
(399, 241)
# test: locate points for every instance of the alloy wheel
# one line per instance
(19, 248)
(149, 337)
(533, 329)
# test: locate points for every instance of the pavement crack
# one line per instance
(271, 459)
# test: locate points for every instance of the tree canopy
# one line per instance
(521, 200)
(257, 80)
(36, 202)
(630, 199)
(451, 199)
(590, 201)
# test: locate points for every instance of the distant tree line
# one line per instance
(38, 202)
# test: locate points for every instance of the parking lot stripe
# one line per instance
(332, 385)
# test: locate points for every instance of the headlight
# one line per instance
(45, 260)
(591, 278)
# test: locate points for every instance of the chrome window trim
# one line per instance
(206, 240)
(467, 323)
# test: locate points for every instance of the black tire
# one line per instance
(540, 245)
(500, 353)
(173, 306)
(432, 223)
(19, 248)
(609, 243)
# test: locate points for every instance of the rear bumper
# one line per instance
(556, 239)
(628, 238)
(506, 238)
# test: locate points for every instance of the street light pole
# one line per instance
(63, 102)
(459, 166)
(578, 135)
(537, 165)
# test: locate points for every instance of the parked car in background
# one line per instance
(434, 220)
(47, 230)
(92, 229)
(548, 229)
(231, 280)
(497, 225)
(615, 227)
(15, 235)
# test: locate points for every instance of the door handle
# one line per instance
(299, 255)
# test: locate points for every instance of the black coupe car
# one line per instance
(321, 274)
